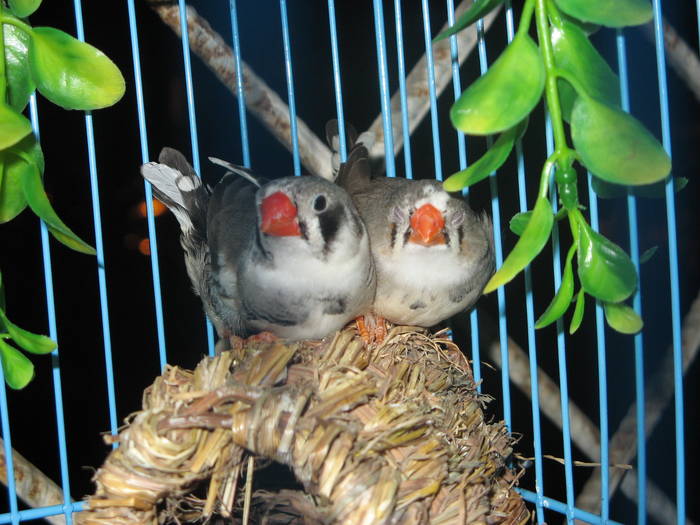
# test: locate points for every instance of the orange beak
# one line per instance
(279, 216)
(426, 224)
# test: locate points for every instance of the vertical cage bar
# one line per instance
(402, 89)
(530, 317)
(99, 246)
(637, 304)
(150, 217)
(602, 375)
(561, 342)
(673, 268)
(192, 117)
(53, 334)
(385, 96)
(462, 147)
(337, 84)
(431, 90)
(242, 117)
(7, 443)
(290, 86)
(501, 294)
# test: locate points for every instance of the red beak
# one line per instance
(279, 216)
(427, 223)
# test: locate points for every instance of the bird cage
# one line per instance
(597, 417)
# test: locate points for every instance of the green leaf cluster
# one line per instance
(582, 90)
(71, 74)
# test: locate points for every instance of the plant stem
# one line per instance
(546, 173)
(551, 92)
(526, 17)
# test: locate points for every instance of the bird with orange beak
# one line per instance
(433, 255)
(289, 256)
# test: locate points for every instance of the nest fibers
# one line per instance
(391, 434)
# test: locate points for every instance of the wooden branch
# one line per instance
(273, 113)
(34, 487)
(260, 99)
(659, 390)
(684, 61)
(585, 434)
(417, 94)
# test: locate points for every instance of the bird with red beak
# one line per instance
(432, 253)
(289, 256)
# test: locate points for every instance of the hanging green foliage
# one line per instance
(73, 75)
(622, 155)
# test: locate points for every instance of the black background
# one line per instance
(128, 272)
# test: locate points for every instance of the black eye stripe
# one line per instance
(329, 221)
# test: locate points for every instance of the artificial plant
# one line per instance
(71, 74)
(582, 90)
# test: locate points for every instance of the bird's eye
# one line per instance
(320, 203)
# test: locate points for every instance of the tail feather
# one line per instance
(177, 186)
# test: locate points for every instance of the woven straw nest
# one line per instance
(391, 434)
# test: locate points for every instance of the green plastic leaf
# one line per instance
(34, 343)
(615, 146)
(39, 203)
(24, 8)
(506, 94)
(519, 221)
(648, 254)
(19, 77)
(528, 246)
(575, 54)
(16, 163)
(622, 318)
(578, 312)
(562, 299)
(479, 9)
(610, 13)
(18, 370)
(489, 162)
(608, 190)
(13, 126)
(586, 27)
(71, 73)
(605, 270)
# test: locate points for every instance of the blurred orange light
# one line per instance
(158, 208)
(145, 247)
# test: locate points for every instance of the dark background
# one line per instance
(130, 289)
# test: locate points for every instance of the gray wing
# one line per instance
(176, 185)
(232, 235)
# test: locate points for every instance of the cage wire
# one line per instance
(254, 82)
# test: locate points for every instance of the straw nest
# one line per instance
(391, 434)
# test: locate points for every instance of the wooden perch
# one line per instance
(659, 392)
(33, 487)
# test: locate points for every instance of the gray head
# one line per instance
(308, 215)
(424, 215)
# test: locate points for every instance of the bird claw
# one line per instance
(371, 328)
(263, 337)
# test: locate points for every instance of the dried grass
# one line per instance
(390, 434)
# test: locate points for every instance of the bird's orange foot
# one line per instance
(263, 337)
(371, 328)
